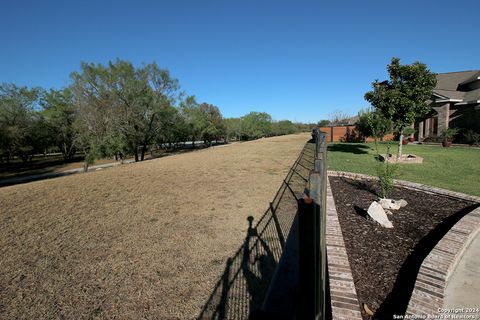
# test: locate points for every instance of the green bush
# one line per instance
(472, 137)
(435, 139)
(386, 173)
(448, 134)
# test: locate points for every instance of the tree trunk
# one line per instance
(144, 149)
(85, 161)
(136, 154)
(400, 145)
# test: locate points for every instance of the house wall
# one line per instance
(443, 116)
(463, 117)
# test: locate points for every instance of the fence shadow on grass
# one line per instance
(354, 148)
(244, 283)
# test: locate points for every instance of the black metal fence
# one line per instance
(312, 242)
(279, 271)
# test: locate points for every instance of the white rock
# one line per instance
(402, 203)
(388, 212)
(389, 204)
(378, 214)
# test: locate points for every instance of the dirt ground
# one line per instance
(146, 240)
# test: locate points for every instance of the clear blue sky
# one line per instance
(297, 60)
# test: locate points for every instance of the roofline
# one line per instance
(458, 71)
(439, 95)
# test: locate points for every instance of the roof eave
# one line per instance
(467, 102)
(449, 100)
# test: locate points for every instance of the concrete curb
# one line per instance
(435, 271)
(344, 301)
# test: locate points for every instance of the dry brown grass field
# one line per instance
(146, 240)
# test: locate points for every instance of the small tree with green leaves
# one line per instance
(403, 97)
(373, 124)
(386, 174)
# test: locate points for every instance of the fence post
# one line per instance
(312, 219)
(321, 202)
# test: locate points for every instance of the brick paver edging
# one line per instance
(438, 266)
(408, 185)
(343, 295)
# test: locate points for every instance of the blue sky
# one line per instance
(297, 60)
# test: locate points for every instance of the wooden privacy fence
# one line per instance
(348, 134)
(298, 287)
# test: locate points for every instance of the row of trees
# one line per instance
(117, 110)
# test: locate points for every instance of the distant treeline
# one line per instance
(118, 110)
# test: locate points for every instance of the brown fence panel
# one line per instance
(340, 134)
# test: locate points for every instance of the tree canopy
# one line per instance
(403, 97)
(118, 110)
(134, 105)
(22, 129)
(373, 124)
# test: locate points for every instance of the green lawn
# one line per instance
(453, 168)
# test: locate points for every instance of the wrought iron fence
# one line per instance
(279, 271)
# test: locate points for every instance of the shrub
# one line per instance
(386, 173)
(472, 138)
(433, 139)
(448, 134)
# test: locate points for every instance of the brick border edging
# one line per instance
(344, 301)
(435, 271)
(408, 185)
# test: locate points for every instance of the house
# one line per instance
(455, 104)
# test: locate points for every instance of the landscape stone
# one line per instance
(378, 214)
(389, 204)
(402, 203)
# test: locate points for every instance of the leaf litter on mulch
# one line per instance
(385, 262)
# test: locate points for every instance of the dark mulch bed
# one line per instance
(385, 262)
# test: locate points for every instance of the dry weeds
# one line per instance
(146, 240)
